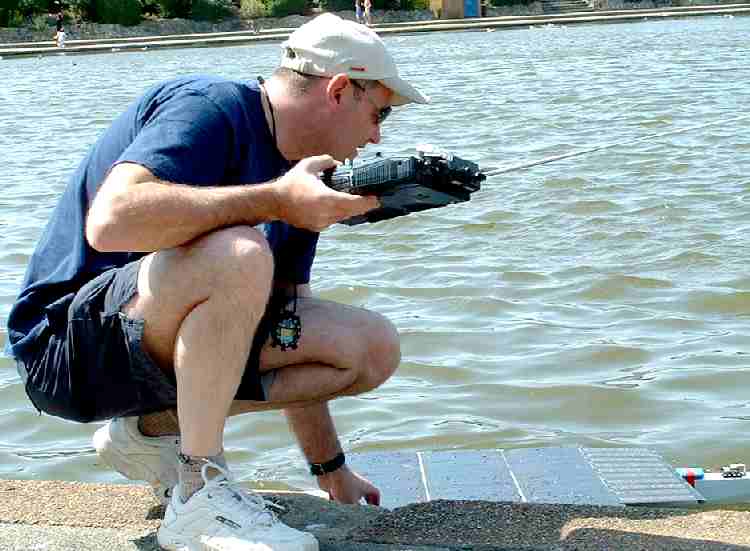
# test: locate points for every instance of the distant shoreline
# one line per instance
(116, 43)
(169, 27)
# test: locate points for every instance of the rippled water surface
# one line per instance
(600, 300)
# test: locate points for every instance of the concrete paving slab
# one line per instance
(67, 516)
(398, 475)
(557, 475)
(22, 537)
(481, 525)
(570, 475)
(469, 475)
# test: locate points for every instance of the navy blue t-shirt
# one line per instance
(201, 131)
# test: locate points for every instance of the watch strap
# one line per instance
(319, 469)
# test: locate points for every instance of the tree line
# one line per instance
(16, 13)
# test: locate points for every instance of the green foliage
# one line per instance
(388, 4)
(9, 14)
(7, 10)
(34, 7)
(15, 19)
(150, 7)
(121, 12)
(211, 10)
(82, 9)
(175, 8)
(13, 12)
(337, 5)
(414, 5)
(40, 23)
(282, 8)
(252, 9)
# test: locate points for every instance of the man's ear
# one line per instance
(336, 87)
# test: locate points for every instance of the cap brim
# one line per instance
(403, 92)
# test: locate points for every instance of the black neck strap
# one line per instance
(262, 82)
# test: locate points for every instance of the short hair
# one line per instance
(297, 83)
(300, 83)
(362, 85)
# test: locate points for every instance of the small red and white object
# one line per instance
(730, 484)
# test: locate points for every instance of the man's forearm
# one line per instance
(138, 213)
(314, 429)
(316, 434)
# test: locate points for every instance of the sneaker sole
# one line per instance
(129, 467)
(171, 543)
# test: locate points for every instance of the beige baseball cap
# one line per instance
(329, 45)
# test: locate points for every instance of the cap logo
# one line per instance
(358, 69)
(290, 53)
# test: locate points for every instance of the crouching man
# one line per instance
(170, 288)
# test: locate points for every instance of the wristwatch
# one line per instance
(319, 469)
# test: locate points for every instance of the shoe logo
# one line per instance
(228, 522)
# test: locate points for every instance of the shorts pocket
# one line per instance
(50, 383)
(57, 312)
(99, 349)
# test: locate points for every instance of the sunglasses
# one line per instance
(383, 112)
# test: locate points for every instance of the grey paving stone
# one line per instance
(23, 537)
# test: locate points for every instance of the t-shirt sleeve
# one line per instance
(186, 139)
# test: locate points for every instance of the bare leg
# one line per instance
(201, 304)
(343, 351)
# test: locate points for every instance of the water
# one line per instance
(601, 300)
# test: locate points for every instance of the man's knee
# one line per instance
(237, 253)
(382, 353)
(232, 259)
(235, 263)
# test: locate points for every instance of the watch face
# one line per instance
(287, 332)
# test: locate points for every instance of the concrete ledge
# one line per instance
(57, 516)
(237, 38)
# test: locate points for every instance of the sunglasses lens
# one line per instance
(384, 112)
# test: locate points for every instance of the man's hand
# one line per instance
(304, 201)
(346, 486)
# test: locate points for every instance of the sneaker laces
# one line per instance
(236, 499)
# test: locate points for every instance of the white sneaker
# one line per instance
(121, 445)
(221, 516)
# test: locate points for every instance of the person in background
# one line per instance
(368, 12)
(59, 30)
(358, 11)
(60, 37)
(171, 286)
